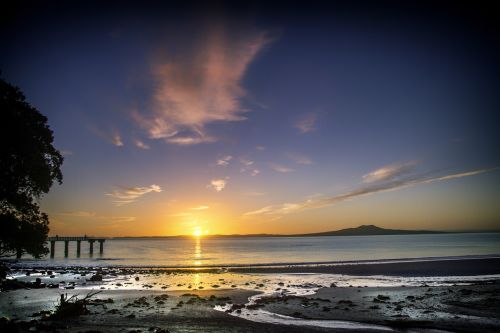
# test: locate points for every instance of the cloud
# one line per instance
(306, 123)
(66, 152)
(277, 211)
(224, 161)
(246, 162)
(281, 168)
(389, 172)
(260, 148)
(95, 216)
(188, 140)
(201, 86)
(111, 135)
(140, 144)
(217, 184)
(116, 139)
(261, 211)
(248, 165)
(299, 158)
(126, 195)
(200, 208)
(78, 213)
(120, 218)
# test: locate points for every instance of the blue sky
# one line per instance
(263, 119)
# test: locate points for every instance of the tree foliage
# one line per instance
(29, 164)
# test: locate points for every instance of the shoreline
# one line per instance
(426, 266)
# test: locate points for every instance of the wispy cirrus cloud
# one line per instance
(281, 168)
(224, 161)
(389, 172)
(78, 213)
(300, 158)
(203, 207)
(118, 219)
(202, 86)
(111, 135)
(248, 166)
(126, 195)
(246, 162)
(116, 138)
(140, 144)
(94, 216)
(217, 184)
(306, 123)
(277, 211)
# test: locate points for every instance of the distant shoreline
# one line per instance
(282, 236)
(363, 230)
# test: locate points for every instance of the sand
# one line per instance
(267, 301)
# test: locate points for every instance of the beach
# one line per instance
(416, 295)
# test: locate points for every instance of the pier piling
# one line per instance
(101, 245)
(78, 248)
(52, 248)
(66, 243)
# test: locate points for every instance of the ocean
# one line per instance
(248, 251)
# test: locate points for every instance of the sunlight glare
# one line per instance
(197, 232)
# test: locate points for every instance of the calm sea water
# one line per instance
(274, 250)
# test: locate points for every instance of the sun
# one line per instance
(197, 232)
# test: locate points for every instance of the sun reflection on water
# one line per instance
(197, 251)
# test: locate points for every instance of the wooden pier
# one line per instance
(78, 241)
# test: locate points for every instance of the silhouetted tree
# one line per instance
(29, 164)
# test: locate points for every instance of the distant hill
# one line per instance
(369, 230)
(363, 230)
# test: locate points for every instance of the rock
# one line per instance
(383, 297)
(96, 277)
(137, 278)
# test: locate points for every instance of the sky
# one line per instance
(297, 117)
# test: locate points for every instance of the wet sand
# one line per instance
(445, 267)
(473, 308)
(277, 300)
